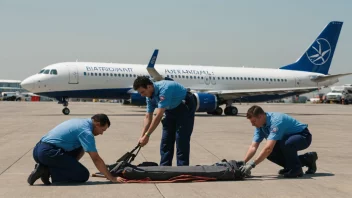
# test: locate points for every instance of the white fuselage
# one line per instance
(98, 79)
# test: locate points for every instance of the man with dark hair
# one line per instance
(58, 152)
(171, 98)
(285, 136)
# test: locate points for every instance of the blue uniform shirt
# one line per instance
(72, 134)
(167, 94)
(277, 126)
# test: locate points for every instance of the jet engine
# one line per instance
(137, 99)
(206, 102)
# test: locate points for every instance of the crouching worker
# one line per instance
(285, 136)
(58, 152)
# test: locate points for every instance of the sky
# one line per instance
(231, 33)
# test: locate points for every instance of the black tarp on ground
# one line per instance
(221, 171)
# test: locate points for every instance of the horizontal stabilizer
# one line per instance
(330, 77)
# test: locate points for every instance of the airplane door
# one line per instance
(206, 79)
(73, 77)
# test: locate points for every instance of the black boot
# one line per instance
(46, 175)
(283, 171)
(294, 173)
(36, 174)
(309, 160)
(312, 166)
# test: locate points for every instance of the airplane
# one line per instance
(212, 86)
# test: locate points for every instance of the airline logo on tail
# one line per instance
(320, 52)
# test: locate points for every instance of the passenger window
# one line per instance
(115, 75)
(47, 71)
(99, 74)
(252, 78)
(245, 78)
(85, 73)
(103, 74)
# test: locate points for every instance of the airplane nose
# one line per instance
(28, 84)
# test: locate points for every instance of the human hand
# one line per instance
(143, 140)
(246, 168)
(117, 180)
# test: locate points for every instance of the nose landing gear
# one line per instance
(64, 102)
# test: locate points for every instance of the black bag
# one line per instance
(222, 171)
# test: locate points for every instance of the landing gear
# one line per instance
(66, 111)
(64, 102)
(217, 111)
(231, 110)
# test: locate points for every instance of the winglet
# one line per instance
(150, 68)
(153, 59)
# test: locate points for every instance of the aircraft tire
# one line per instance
(66, 111)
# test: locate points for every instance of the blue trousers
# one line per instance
(63, 166)
(178, 126)
(285, 151)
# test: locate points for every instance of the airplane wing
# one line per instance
(232, 94)
(329, 77)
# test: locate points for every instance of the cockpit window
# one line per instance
(41, 71)
(47, 71)
(53, 71)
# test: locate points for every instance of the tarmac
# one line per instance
(214, 138)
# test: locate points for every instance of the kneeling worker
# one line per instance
(58, 152)
(285, 136)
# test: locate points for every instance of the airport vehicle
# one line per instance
(213, 86)
(10, 96)
(339, 93)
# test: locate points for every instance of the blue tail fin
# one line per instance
(319, 55)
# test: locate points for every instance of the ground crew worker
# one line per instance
(285, 136)
(57, 153)
(171, 98)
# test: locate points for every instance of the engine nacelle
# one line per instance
(206, 102)
(138, 100)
